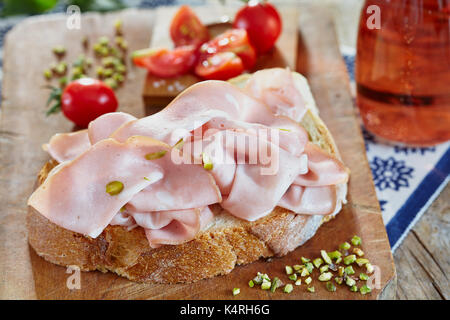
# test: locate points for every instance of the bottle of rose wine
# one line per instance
(403, 70)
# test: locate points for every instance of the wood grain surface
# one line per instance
(24, 127)
(423, 259)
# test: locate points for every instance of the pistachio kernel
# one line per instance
(305, 260)
(324, 268)
(311, 289)
(356, 241)
(207, 163)
(344, 246)
(349, 259)
(288, 270)
(365, 289)
(330, 286)
(114, 188)
(266, 285)
(361, 261)
(276, 283)
(326, 276)
(251, 284)
(350, 281)
(363, 276)
(317, 262)
(308, 280)
(325, 256)
(349, 270)
(358, 252)
(155, 155)
(236, 291)
(288, 288)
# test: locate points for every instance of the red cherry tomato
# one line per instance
(166, 63)
(187, 29)
(85, 99)
(262, 22)
(220, 66)
(234, 40)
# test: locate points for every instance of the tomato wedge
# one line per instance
(233, 40)
(187, 29)
(220, 66)
(166, 63)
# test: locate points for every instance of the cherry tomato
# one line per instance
(166, 63)
(220, 66)
(262, 22)
(85, 99)
(234, 40)
(187, 29)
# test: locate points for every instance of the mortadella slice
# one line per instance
(76, 199)
(67, 146)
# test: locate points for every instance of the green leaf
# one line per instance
(98, 5)
(15, 7)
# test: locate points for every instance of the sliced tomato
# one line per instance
(166, 63)
(220, 66)
(233, 40)
(187, 29)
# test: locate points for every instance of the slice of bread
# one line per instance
(216, 250)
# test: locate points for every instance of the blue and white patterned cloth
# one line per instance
(407, 180)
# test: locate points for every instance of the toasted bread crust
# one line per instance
(215, 251)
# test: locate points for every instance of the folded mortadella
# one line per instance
(75, 196)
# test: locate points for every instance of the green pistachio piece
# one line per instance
(266, 285)
(236, 291)
(114, 188)
(276, 283)
(324, 268)
(349, 270)
(326, 276)
(309, 266)
(350, 282)
(361, 261)
(330, 286)
(251, 284)
(365, 289)
(349, 259)
(344, 246)
(308, 280)
(305, 260)
(288, 288)
(317, 262)
(334, 255)
(155, 155)
(358, 252)
(311, 289)
(288, 270)
(363, 276)
(325, 256)
(339, 280)
(356, 241)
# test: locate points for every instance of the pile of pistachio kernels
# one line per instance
(326, 264)
(110, 58)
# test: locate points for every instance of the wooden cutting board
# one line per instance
(24, 127)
